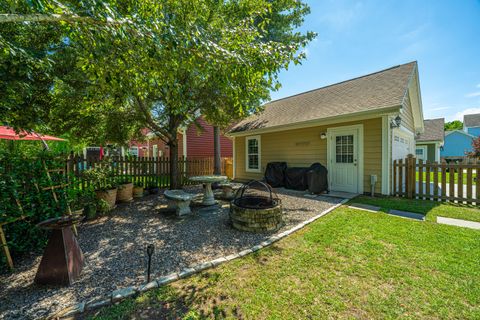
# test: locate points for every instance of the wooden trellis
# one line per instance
(53, 187)
(3, 240)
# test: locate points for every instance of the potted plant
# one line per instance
(138, 190)
(104, 188)
(77, 207)
(153, 188)
(103, 207)
(125, 190)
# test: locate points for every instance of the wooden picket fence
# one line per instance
(146, 171)
(436, 181)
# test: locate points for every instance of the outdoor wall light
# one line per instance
(323, 135)
(395, 123)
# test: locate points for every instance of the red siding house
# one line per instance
(199, 144)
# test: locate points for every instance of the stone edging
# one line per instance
(121, 294)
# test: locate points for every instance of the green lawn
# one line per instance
(455, 176)
(348, 264)
(431, 209)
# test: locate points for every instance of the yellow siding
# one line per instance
(407, 114)
(302, 147)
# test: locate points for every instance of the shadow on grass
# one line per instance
(193, 300)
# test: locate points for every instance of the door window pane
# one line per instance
(344, 149)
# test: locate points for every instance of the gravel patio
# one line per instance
(115, 255)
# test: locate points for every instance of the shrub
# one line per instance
(24, 193)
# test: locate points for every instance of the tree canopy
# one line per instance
(121, 66)
(453, 125)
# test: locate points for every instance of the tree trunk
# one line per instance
(217, 164)
(174, 179)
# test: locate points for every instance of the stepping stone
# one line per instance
(407, 214)
(308, 195)
(459, 223)
(365, 207)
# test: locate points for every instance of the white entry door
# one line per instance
(344, 160)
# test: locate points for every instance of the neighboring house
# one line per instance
(430, 142)
(194, 142)
(471, 124)
(457, 144)
(356, 128)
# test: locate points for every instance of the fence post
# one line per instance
(410, 176)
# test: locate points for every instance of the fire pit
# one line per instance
(255, 209)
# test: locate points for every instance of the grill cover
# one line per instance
(317, 178)
(275, 174)
(296, 178)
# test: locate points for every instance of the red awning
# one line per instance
(10, 134)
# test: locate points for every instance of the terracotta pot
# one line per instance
(137, 192)
(110, 196)
(125, 192)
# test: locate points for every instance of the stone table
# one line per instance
(208, 198)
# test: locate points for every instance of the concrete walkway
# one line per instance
(397, 213)
(459, 223)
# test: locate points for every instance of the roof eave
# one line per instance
(363, 115)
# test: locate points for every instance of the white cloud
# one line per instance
(473, 94)
(342, 16)
(459, 115)
(438, 109)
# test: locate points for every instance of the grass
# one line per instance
(455, 177)
(431, 209)
(349, 264)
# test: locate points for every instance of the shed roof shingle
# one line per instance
(434, 130)
(374, 91)
(471, 120)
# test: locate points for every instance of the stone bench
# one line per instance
(179, 200)
(229, 189)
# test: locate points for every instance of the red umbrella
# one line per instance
(10, 134)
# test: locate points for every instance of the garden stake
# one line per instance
(150, 250)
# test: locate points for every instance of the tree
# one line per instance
(217, 161)
(214, 58)
(475, 153)
(453, 125)
(119, 66)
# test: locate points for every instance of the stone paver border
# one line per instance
(121, 294)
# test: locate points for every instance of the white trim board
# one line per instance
(259, 139)
(386, 154)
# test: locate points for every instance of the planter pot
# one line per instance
(154, 190)
(125, 192)
(137, 192)
(110, 196)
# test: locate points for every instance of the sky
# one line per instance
(361, 37)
